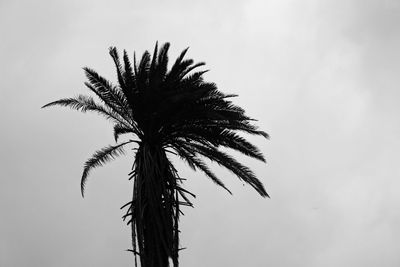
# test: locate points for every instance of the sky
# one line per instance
(321, 77)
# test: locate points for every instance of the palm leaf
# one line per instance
(85, 103)
(99, 158)
(121, 129)
(108, 93)
(241, 171)
(128, 75)
(143, 72)
(120, 73)
(153, 64)
(189, 69)
(236, 142)
(196, 163)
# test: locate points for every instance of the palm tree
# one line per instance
(165, 111)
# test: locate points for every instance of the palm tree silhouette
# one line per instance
(166, 111)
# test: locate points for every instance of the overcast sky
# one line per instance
(321, 77)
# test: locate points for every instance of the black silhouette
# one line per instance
(167, 111)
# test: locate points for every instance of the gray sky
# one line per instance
(322, 78)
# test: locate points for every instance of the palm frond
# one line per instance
(223, 159)
(163, 59)
(135, 69)
(194, 82)
(109, 94)
(128, 75)
(215, 136)
(99, 158)
(175, 74)
(177, 63)
(121, 129)
(120, 73)
(153, 64)
(243, 126)
(143, 71)
(183, 67)
(115, 101)
(85, 103)
(196, 163)
(158, 67)
(194, 66)
(231, 140)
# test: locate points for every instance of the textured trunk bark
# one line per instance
(154, 208)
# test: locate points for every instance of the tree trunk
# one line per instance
(154, 208)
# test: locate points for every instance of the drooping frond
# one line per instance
(218, 137)
(85, 103)
(196, 163)
(99, 158)
(243, 126)
(238, 143)
(223, 159)
(121, 129)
